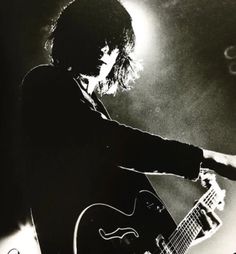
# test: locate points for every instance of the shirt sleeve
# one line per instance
(132, 148)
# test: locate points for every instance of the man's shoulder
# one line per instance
(50, 85)
(46, 76)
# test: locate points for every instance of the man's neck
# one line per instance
(89, 83)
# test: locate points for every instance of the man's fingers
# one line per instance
(205, 220)
(214, 218)
(210, 221)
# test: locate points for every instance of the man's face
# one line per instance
(96, 61)
(107, 61)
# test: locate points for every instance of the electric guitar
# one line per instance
(147, 229)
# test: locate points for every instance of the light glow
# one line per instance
(24, 241)
(142, 25)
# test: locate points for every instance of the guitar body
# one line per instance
(102, 229)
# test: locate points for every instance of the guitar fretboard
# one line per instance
(181, 239)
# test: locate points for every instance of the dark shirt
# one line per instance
(72, 153)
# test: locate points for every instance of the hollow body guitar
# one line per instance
(147, 229)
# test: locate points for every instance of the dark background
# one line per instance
(186, 90)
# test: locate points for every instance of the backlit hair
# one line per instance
(93, 22)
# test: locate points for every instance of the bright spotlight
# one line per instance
(141, 24)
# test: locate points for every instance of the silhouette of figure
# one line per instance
(73, 154)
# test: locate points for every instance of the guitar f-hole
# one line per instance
(119, 233)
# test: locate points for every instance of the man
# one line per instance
(73, 154)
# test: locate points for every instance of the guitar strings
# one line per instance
(181, 238)
(189, 231)
(182, 247)
(195, 219)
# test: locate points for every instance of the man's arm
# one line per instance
(55, 114)
(222, 164)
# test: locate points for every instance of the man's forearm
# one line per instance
(223, 164)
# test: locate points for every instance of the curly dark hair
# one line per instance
(81, 30)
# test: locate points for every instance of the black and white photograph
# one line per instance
(118, 121)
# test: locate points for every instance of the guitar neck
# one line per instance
(188, 229)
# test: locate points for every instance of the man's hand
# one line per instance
(222, 164)
(210, 223)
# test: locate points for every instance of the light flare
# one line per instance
(142, 25)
